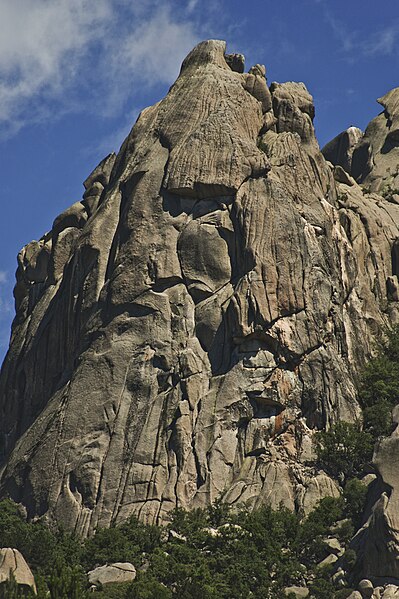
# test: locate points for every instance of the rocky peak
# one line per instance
(372, 158)
(186, 327)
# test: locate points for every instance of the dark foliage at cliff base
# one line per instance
(213, 553)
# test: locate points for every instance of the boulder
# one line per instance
(391, 591)
(333, 546)
(112, 573)
(297, 591)
(11, 560)
(366, 588)
(328, 561)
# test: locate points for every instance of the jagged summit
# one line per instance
(372, 157)
(187, 326)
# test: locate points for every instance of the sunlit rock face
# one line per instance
(186, 327)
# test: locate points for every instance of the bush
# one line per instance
(310, 544)
(253, 554)
(344, 450)
(350, 558)
(355, 493)
(377, 419)
(148, 587)
(125, 543)
(380, 380)
(38, 544)
(322, 587)
(67, 582)
(11, 590)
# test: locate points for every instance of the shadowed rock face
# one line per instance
(372, 158)
(183, 330)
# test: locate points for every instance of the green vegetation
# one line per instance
(344, 450)
(215, 553)
(380, 381)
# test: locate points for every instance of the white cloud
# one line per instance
(41, 47)
(156, 50)
(192, 5)
(382, 43)
(62, 55)
(353, 44)
(6, 306)
(3, 276)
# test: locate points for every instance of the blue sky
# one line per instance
(74, 75)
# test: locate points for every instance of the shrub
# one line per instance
(388, 191)
(11, 590)
(322, 587)
(350, 558)
(254, 554)
(309, 543)
(67, 582)
(377, 419)
(125, 543)
(148, 587)
(344, 450)
(355, 493)
(380, 380)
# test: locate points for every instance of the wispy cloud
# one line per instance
(3, 276)
(192, 4)
(355, 45)
(382, 43)
(41, 46)
(155, 51)
(6, 306)
(68, 55)
(340, 31)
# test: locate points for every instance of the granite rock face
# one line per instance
(375, 164)
(340, 150)
(12, 561)
(112, 573)
(372, 158)
(186, 327)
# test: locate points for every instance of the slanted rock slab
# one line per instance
(112, 573)
(11, 560)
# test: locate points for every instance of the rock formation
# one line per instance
(183, 330)
(13, 562)
(375, 163)
(111, 574)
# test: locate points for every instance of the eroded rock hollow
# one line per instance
(183, 330)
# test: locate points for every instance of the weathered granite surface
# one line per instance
(13, 562)
(112, 573)
(183, 330)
